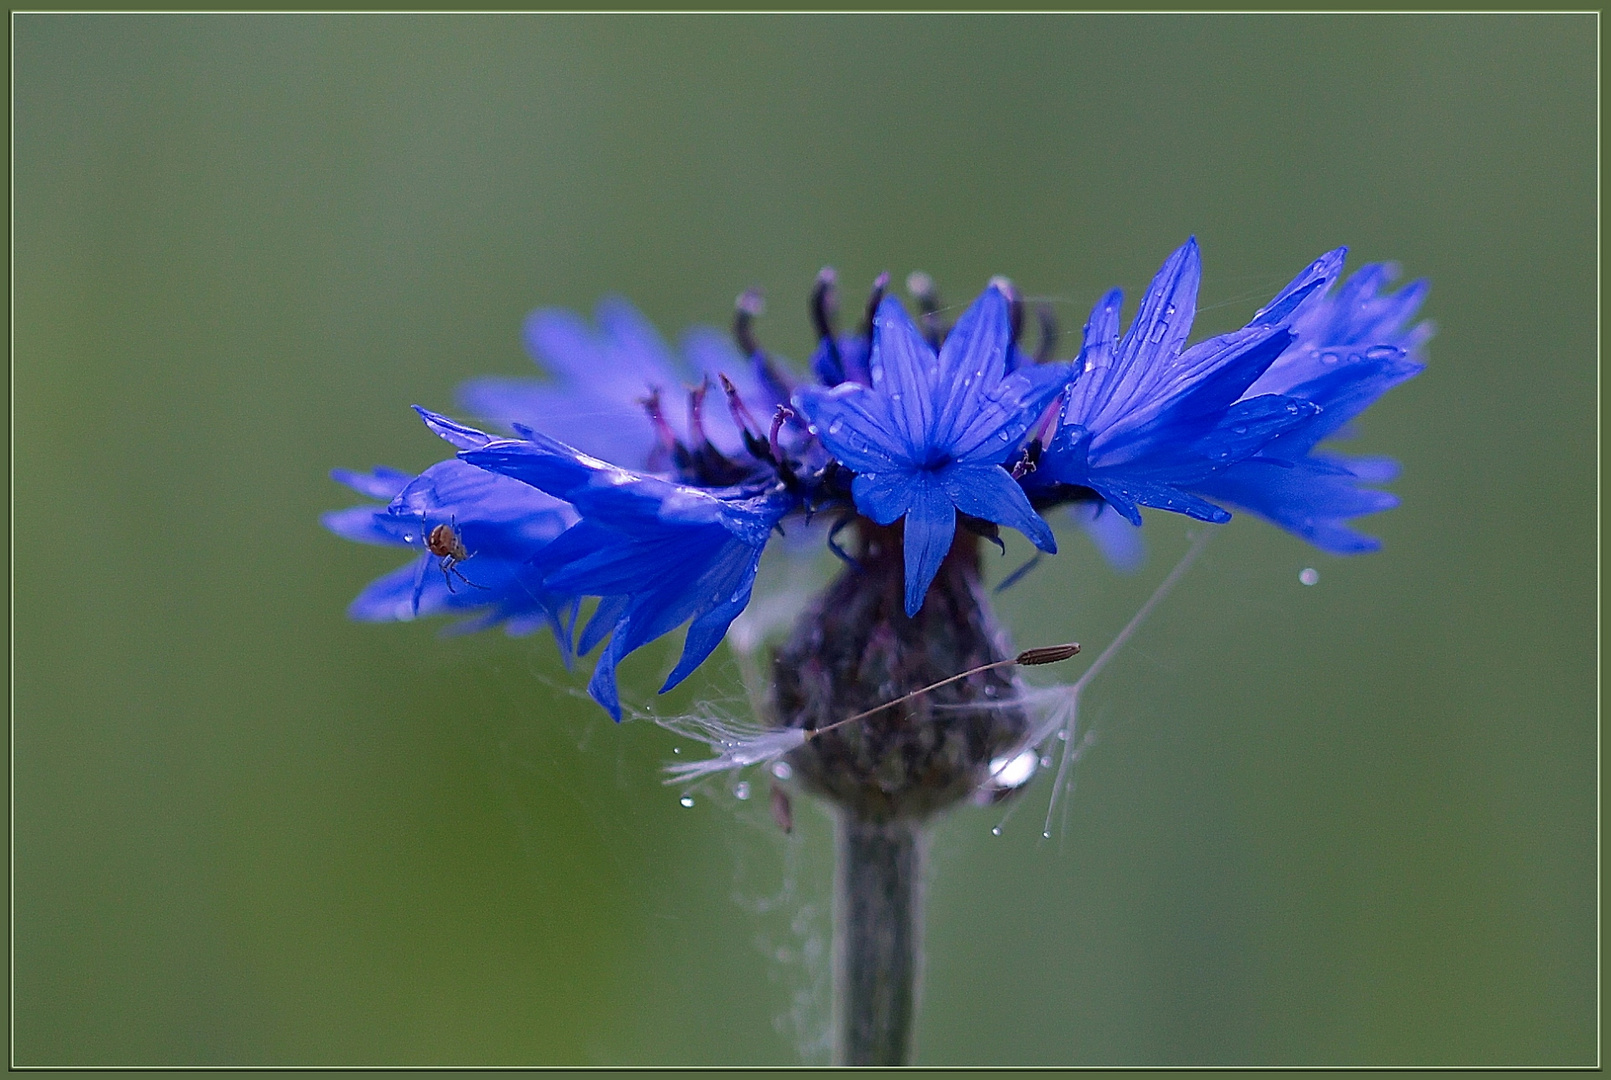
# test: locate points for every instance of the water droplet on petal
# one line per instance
(781, 770)
(1329, 358)
(834, 428)
(1158, 333)
(1309, 575)
(686, 801)
(741, 790)
(1380, 352)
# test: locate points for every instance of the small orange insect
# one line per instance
(445, 544)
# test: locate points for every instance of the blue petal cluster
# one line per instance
(928, 437)
(591, 490)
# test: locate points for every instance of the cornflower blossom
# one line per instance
(590, 491)
(889, 696)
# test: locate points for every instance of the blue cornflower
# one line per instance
(928, 425)
(657, 554)
(1350, 347)
(929, 437)
(1150, 422)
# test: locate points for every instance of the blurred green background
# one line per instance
(1352, 823)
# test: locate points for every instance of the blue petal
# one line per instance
(930, 524)
(459, 435)
(1302, 291)
(381, 483)
(972, 362)
(989, 492)
(852, 423)
(885, 496)
(903, 372)
(1120, 542)
(360, 523)
(1004, 414)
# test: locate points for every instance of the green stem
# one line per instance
(878, 947)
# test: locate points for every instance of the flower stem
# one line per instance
(878, 946)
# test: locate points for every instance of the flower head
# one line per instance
(928, 438)
(920, 433)
(1151, 422)
(657, 554)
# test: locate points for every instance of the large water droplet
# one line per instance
(1329, 357)
(1309, 575)
(996, 831)
(781, 770)
(1380, 352)
(686, 801)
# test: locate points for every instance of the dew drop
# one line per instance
(1240, 429)
(781, 770)
(1047, 833)
(1158, 333)
(1046, 761)
(408, 538)
(1062, 736)
(1004, 436)
(1380, 352)
(686, 801)
(1329, 358)
(1309, 575)
(834, 428)
(741, 790)
(996, 831)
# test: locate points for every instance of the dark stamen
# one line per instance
(662, 430)
(1028, 462)
(783, 415)
(750, 304)
(696, 409)
(824, 309)
(1048, 333)
(735, 405)
(880, 287)
(921, 286)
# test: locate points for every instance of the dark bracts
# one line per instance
(855, 649)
